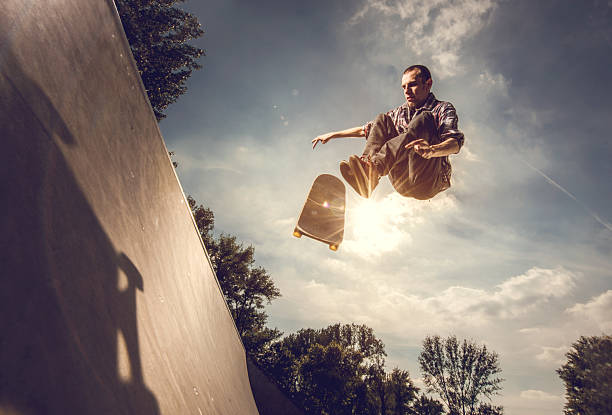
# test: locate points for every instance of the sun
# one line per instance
(373, 226)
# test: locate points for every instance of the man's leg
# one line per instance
(361, 175)
(410, 174)
(382, 130)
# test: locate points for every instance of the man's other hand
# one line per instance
(422, 148)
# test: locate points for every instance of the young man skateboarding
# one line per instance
(410, 143)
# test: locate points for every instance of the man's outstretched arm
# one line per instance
(349, 132)
(445, 148)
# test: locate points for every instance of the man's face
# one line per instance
(415, 91)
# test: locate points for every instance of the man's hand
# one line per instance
(324, 138)
(445, 148)
(349, 132)
(422, 148)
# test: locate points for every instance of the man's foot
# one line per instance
(345, 170)
(365, 176)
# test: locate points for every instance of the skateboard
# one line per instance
(322, 216)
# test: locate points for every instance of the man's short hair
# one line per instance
(423, 74)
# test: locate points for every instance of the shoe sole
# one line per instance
(360, 176)
(347, 174)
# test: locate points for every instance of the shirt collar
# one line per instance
(428, 105)
(430, 102)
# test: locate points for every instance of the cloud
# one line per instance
(537, 395)
(375, 298)
(513, 298)
(438, 27)
(552, 355)
(598, 311)
(492, 82)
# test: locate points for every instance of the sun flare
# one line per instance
(373, 226)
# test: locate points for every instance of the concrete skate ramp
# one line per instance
(108, 303)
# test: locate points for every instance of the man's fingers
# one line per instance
(415, 142)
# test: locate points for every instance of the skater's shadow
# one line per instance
(68, 333)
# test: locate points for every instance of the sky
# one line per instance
(516, 255)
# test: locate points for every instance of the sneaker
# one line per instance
(345, 170)
(365, 174)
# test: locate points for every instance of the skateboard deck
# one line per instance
(322, 216)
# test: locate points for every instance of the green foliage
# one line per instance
(205, 220)
(339, 370)
(323, 370)
(461, 373)
(246, 287)
(588, 376)
(157, 32)
(402, 391)
(424, 405)
(389, 393)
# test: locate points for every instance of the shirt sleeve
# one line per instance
(448, 125)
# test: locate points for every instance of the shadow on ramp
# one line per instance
(69, 308)
(108, 302)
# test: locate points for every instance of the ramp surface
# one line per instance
(108, 302)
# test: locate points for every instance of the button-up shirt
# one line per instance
(446, 120)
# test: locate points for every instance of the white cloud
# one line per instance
(385, 302)
(438, 27)
(597, 311)
(495, 82)
(536, 285)
(538, 395)
(552, 355)
(513, 298)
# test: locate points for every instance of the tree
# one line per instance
(389, 393)
(246, 287)
(205, 220)
(328, 376)
(402, 391)
(588, 376)
(424, 405)
(460, 373)
(158, 33)
(324, 370)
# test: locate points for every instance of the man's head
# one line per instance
(416, 83)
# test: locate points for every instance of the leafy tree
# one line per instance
(246, 287)
(378, 388)
(205, 220)
(390, 393)
(424, 405)
(157, 32)
(488, 409)
(461, 373)
(402, 391)
(324, 370)
(328, 375)
(588, 376)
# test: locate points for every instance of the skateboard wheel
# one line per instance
(297, 233)
(333, 247)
